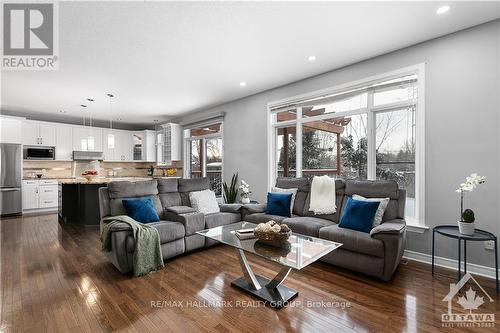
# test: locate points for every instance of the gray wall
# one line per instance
(462, 128)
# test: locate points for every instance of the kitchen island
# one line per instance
(79, 199)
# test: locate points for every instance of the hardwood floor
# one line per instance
(54, 278)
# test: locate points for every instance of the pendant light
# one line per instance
(90, 138)
(111, 136)
(83, 142)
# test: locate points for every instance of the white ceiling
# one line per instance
(162, 59)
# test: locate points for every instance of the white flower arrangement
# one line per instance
(244, 189)
(471, 183)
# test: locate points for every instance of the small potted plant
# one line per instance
(467, 224)
(245, 192)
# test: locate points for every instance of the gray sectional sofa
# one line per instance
(376, 254)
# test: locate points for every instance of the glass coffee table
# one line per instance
(298, 252)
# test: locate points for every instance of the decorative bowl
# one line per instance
(90, 178)
(276, 239)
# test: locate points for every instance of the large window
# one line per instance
(368, 130)
(204, 154)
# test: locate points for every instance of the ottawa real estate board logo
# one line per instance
(30, 36)
(470, 300)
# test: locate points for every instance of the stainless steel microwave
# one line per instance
(39, 153)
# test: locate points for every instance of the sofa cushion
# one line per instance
(190, 185)
(263, 218)
(372, 188)
(287, 190)
(169, 231)
(141, 209)
(204, 201)
(168, 185)
(116, 205)
(170, 199)
(352, 240)
(303, 186)
(222, 218)
(279, 203)
(359, 215)
(126, 189)
(309, 226)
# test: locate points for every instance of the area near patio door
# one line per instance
(367, 131)
(204, 154)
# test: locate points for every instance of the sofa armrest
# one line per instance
(192, 222)
(181, 209)
(230, 208)
(255, 208)
(394, 227)
(393, 234)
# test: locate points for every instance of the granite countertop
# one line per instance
(97, 180)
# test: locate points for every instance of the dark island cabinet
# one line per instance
(79, 203)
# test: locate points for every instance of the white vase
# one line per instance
(466, 228)
(245, 200)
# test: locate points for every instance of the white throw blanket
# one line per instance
(323, 195)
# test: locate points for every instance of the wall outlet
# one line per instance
(489, 245)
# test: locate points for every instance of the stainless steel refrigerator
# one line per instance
(10, 179)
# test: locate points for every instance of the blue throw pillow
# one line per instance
(279, 203)
(358, 215)
(142, 209)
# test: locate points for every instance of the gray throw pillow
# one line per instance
(377, 220)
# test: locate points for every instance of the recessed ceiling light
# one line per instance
(312, 58)
(443, 9)
(83, 105)
(243, 84)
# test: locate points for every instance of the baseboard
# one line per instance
(475, 269)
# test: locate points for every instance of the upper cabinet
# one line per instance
(38, 133)
(169, 143)
(64, 142)
(86, 138)
(11, 129)
(145, 146)
(119, 146)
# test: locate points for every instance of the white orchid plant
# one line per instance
(244, 189)
(469, 185)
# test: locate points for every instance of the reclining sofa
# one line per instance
(377, 253)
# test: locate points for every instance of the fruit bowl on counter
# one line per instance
(90, 175)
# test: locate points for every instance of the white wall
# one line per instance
(462, 128)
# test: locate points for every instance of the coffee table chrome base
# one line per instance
(273, 292)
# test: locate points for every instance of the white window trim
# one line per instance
(416, 224)
(186, 147)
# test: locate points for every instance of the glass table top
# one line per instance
(299, 252)
(453, 231)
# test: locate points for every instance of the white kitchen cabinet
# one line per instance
(82, 138)
(36, 133)
(11, 129)
(30, 194)
(169, 147)
(40, 194)
(125, 146)
(64, 142)
(145, 146)
(48, 196)
(30, 133)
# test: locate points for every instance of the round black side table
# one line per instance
(453, 232)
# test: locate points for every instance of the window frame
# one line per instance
(187, 149)
(416, 223)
